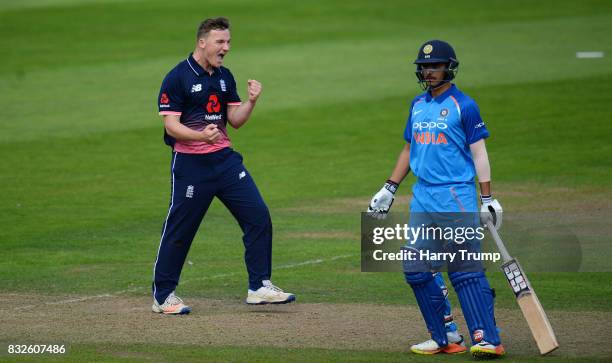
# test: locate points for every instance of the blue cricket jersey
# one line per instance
(440, 131)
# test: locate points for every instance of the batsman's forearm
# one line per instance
(239, 115)
(402, 166)
(482, 166)
(485, 188)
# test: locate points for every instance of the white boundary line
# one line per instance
(218, 276)
(586, 55)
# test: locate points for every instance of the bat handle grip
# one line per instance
(498, 241)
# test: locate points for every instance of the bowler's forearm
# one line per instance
(239, 115)
(179, 131)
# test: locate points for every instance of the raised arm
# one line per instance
(238, 115)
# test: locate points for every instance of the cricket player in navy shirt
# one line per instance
(445, 149)
(198, 98)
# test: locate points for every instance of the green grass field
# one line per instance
(85, 174)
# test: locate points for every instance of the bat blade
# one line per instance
(538, 323)
(530, 305)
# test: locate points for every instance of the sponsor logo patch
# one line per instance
(164, 100)
(213, 104)
(216, 117)
(426, 125)
(426, 138)
(196, 88)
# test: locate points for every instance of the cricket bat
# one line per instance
(526, 297)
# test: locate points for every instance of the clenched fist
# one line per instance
(210, 134)
(254, 89)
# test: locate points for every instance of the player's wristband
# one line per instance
(485, 199)
(391, 186)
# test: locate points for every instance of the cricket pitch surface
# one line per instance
(126, 320)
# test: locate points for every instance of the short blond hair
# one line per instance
(220, 23)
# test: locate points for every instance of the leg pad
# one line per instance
(477, 300)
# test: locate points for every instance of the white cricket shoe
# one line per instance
(172, 305)
(268, 294)
(455, 345)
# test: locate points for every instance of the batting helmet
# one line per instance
(437, 51)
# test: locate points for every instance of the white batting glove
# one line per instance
(491, 210)
(382, 201)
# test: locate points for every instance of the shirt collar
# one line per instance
(197, 68)
(443, 96)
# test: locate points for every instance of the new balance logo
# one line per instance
(196, 88)
(242, 175)
(189, 193)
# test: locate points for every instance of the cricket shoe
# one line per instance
(484, 350)
(268, 294)
(456, 345)
(173, 305)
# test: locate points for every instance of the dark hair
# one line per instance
(220, 23)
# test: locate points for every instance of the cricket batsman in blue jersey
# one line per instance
(445, 149)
